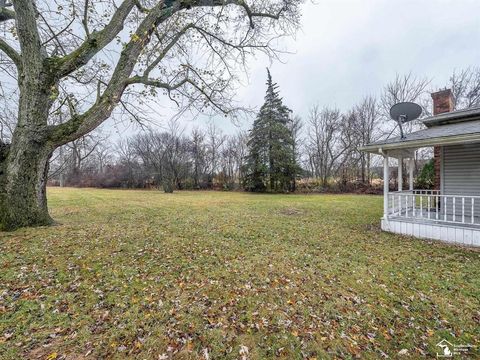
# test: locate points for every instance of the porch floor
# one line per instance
(429, 216)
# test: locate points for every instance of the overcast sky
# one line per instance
(347, 49)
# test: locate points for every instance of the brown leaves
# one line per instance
(191, 278)
(243, 352)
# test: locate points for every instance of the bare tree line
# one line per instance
(170, 159)
(326, 145)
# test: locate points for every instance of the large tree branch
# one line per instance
(82, 124)
(96, 41)
(250, 13)
(11, 53)
(5, 13)
(158, 83)
(29, 38)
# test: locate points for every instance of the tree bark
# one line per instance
(25, 164)
(23, 187)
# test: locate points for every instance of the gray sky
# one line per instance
(347, 49)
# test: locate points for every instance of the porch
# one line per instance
(429, 214)
(452, 211)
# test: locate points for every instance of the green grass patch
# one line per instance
(191, 275)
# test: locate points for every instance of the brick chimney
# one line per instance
(442, 103)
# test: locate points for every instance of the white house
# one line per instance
(451, 212)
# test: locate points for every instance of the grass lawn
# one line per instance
(215, 275)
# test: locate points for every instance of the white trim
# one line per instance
(386, 183)
(444, 232)
(400, 174)
(405, 153)
(411, 164)
(453, 116)
(439, 141)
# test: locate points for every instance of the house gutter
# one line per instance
(440, 141)
(452, 117)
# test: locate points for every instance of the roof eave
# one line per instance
(452, 117)
(438, 141)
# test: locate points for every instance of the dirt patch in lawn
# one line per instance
(290, 211)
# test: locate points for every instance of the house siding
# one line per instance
(461, 175)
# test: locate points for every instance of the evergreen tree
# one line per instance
(271, 164)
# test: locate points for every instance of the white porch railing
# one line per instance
(417, 192)
(430, 205)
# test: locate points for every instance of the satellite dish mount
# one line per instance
(404, 112)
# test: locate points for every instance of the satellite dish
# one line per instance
(404, 112)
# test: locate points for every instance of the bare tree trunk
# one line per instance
(25, 166)
(23, 188)
(62, 172)
(4, 148)
(168, 181)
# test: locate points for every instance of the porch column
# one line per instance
(400, 173)
(386, 180)
(410, 180)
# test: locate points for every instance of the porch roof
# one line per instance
(446, 134)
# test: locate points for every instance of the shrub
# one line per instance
(426, 179)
